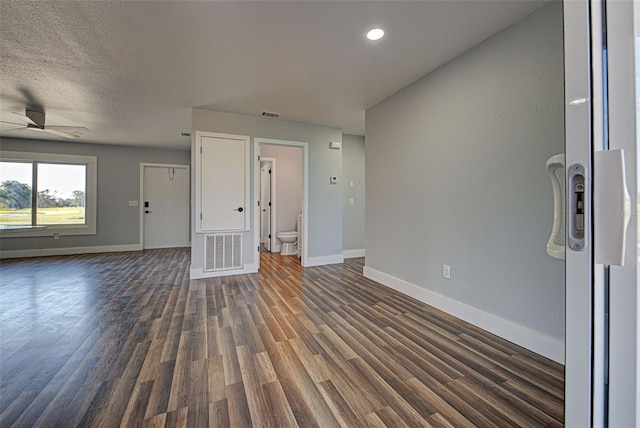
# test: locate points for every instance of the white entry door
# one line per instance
(265, 204)
(165, 206)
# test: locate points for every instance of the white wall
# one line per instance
(288, 185)
(325, 200)
(118, 224)
(353, 216)
(456, 174)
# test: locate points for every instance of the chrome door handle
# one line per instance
(239, 209)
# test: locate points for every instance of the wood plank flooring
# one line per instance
(125, 339)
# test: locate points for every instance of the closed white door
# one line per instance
(166, 206)
(222, 171)
(265, 205)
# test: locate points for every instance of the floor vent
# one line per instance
(223, 252)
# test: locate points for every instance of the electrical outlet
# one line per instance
(446, 271)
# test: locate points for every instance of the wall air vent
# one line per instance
(223, 252)
(270, 114)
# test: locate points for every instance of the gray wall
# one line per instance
(325, 200)
(118, 183)
(456, 174)
(353, 169)
(288, 184)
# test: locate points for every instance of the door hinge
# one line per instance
(269, 236)
(269, 171)
(200, 216)
(258, 157)
(269, 203)
(200, 149)
(258, 203)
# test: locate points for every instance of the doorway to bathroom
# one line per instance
(281, 183)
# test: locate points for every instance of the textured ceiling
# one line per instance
(131, 71)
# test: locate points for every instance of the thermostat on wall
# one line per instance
(337, 145)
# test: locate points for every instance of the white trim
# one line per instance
(350, 254)
(199, 273)
(68, 251)
(305, 196)
(324, 260)
(141, 207)
(534, 341)
(247, 177)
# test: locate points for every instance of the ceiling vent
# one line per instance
(270, 114)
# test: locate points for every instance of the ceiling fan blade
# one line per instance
(11, 123)
(74, 129)
(60, 133)
(26, 118)
(15, 129)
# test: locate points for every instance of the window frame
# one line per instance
(91, 195)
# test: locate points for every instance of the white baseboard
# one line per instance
(198, 273)
(534, 341)
(324, 260)
(68, 251)
(350, 254)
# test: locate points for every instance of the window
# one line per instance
(44, 194)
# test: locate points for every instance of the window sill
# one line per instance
(43, 231)
(21, 228)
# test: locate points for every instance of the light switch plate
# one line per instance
(350, 183)
(351, 201)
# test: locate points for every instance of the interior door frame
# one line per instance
(144, 165)
(274, 208)
(304, 260)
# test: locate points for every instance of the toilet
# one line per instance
(289, 240)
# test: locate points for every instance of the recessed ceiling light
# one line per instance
(375, 34)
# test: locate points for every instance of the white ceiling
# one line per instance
(131, 71)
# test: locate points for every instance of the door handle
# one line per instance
(239, 209)
(148, 212)
(553, 164)
(612, 207)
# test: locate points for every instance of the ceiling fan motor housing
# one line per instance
(37, 117)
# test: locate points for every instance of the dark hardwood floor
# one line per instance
(125, 339)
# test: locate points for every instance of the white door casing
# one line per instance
(165, 221)
(222, 182)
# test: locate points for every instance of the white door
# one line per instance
(165, 206)
(601, 375)
(223, 184)
(265, 204)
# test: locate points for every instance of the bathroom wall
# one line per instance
(456, 175)
(353, 216)
(288, 185)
